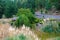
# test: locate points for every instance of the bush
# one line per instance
(48, 28)
(51, 27)
(26, 17)
(22, 20)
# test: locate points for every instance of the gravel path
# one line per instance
(39, 15)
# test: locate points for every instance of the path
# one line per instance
(39, 15)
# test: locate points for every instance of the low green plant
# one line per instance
(59, 24)
(48, 28)
(57, 30)
(57, 38)
(22, 37)
(51, 27)
(41, 21)
(18, 37)
(52, 19)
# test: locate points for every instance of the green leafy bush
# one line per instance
(25, 17)
(22, 20)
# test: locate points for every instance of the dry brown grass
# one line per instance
(3, 30)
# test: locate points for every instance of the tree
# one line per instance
(56, 3)
(27, 4)
(10, 8)
(48, 5)
(2, 7)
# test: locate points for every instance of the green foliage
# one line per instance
(25, 17)
(10, 9)
(18, 37)
(2, 7)
(22, 20)
(41, 21)
(48, 5)
(48, 28)
(59, 24)
(57, 38)
(27, 12)
(56, 3)
(57, 30)
(26, 4)
(51, 27)
(22, 37)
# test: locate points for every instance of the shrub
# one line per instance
(22, 20)
(51, 27)
(48, 28)
(25, 17)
